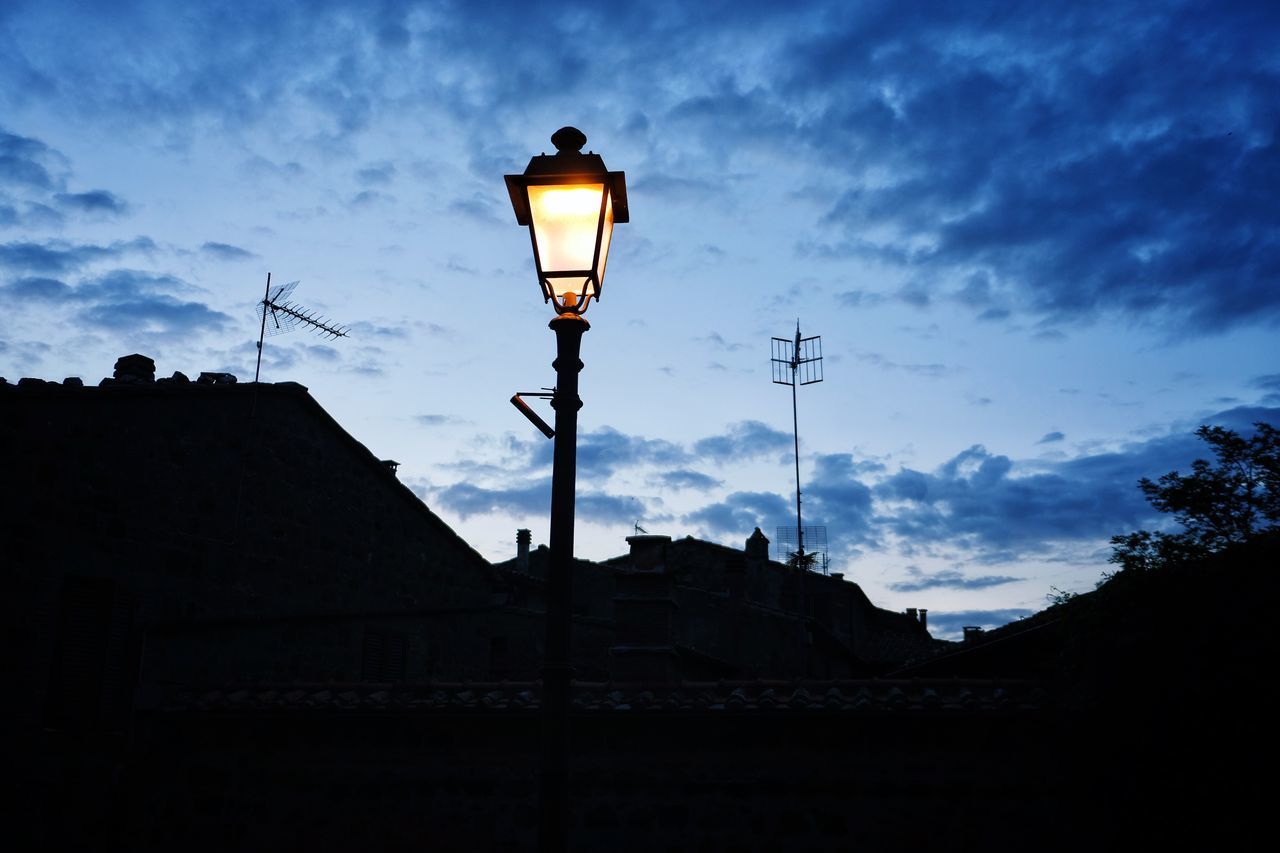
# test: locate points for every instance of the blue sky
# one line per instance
(1040, 243)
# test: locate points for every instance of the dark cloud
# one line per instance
(1036, 153)
(481, 207)
(258, 167)
(123, 300)
(93, 201)
(859, 299)
(605, 450)
(944, 624)
(59, 256)
(717, 340)
(836, 496)
(932, 370)
(132, 301)
(366, 329)
(35, 289)
(1051, 437)
(743, 440)
(684, 478)
(467, 499)
(981, 501)
(376, 174)
(918, 581)
(600, 508)
(534, 496)
(740, 513)
(226, 252)
(25, 162)
(436, 420)
(369, 198)
(1270, 384)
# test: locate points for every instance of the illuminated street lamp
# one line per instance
(570, 202)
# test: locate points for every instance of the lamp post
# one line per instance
(570, 202)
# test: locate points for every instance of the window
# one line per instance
(383, 657)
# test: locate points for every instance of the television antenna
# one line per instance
(817, 559)
(797, 362)
(279, 315)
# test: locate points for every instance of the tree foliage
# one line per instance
(1218, 504)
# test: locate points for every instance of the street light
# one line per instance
(570, 202)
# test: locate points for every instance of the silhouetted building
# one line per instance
(232, 627)
(237, 529)
(673, 610)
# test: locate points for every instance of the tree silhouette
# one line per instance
(1218, 504)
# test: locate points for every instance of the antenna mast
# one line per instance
(797, 362)
(285, 316)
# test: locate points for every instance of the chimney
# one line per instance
(924, 619)
(134, 368)
(973, 633)
(644, 615)
(911, 611)
(523, 538)
(648, 552)
(758, 546)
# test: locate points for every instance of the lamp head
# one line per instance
(570, 202)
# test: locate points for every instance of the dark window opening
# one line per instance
(383, 657)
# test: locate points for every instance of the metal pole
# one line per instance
(795, 427)
(557, 671)
(262, 331)
(795, 430)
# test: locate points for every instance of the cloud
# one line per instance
(481, 207)
(743, 440)
(123, 300)
(226, 252)
(37, 289)
(436, 420)
(376, 174)
(603, 451)
(93, 201)
(60, 256)
(26, 162)
(1270, 383)
(132, 301)
(683, 478)
(717, 340)
(951, 623)
(1000, 509)
(534, 496)
(1048, 146)
(467, 499)
(390, 330)
(369, 198)
(740, 513)
(1051, 438)
(918, 581)
(835, 496)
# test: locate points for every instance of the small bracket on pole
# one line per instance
(529, 413)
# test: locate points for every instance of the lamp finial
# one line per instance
(568, 139)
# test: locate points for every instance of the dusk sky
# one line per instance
(1041, 243)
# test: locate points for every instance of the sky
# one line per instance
(1040, 243)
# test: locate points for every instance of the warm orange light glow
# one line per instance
(566, 200)
(566, 218)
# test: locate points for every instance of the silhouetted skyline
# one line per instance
(1040, 246)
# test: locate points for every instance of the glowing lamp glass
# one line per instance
(567, 219)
